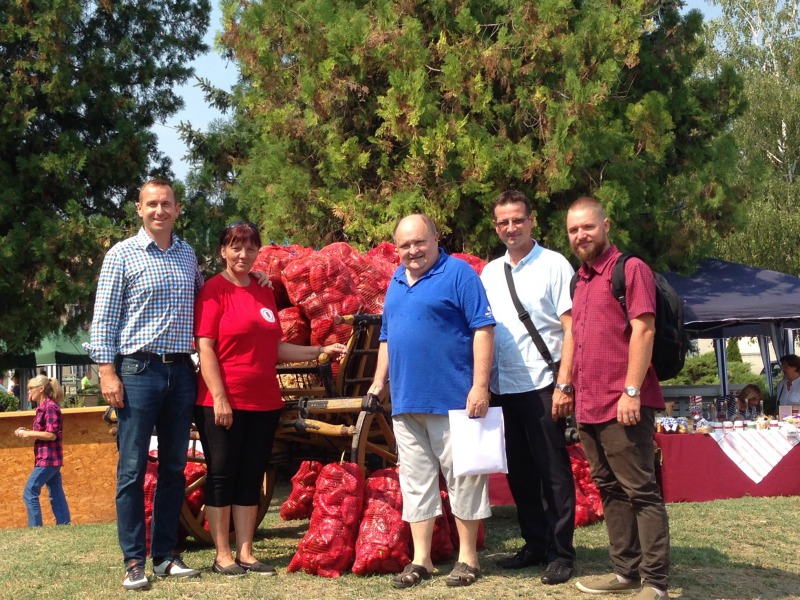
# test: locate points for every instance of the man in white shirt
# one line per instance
(535, 407)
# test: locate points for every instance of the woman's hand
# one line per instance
(223, 414)
(335, 350)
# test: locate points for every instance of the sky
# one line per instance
(223, 74)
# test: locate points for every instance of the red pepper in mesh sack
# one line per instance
(327, 548)
(304, 484)
(586, 492)
(294, 326)
(385, 251)
(272, 260)
(476, 263)
(321, 286)
(383, 537)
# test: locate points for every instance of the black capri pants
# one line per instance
(236, 458)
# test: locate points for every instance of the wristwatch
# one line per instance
(632, 391)
(567, 388)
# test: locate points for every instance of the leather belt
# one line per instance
(163, 358)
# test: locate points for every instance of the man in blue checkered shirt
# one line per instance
(142, 339)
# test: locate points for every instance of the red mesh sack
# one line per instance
(442, 543)
(272, 260)
(304, 483)
(385, 251)
(150, 478)
(370, 276)
(197, 497)
(295, 327)
(476, 263)
(321, 285)
(327, 548)
(383, 537)
(588, 506)
(480, 540)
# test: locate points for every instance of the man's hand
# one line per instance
(563, 405)
(262, 278)
(477, 402)
(628, 412)
(111, 386)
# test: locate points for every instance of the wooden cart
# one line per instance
(326, 418)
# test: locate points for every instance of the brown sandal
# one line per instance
(462, 575)
(411, 576)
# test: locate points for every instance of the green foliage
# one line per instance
(350, 115)
(732, 350)
(81, 85)
(761, 39)
(702, 370)
(8, 402)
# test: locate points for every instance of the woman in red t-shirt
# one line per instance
(239, 400)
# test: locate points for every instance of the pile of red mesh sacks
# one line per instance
(328, 547)
(588, 508)
(383, 543)
(313, 287)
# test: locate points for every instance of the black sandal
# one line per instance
(411, 576)
(462, 575)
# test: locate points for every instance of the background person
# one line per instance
(142, 340)
(616, 396)
(48, 451)
(86, 381)
(436, 348)
(748, 403)
(534, 410)
(239, 400)
(789, 387)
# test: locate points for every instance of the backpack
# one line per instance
(671, 341)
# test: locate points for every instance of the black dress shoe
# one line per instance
(556, 572)
(523, 558)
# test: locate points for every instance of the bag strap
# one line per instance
(525, 317)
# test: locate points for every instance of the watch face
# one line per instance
(631, 391)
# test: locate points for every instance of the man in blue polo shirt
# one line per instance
(436, 349)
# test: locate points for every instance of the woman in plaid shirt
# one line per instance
(47, 449)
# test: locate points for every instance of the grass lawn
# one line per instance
(729, 549)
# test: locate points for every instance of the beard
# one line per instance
(590, 252)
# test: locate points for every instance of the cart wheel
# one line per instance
(193, 524)
(373, 436)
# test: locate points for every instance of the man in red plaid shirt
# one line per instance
(616, 396)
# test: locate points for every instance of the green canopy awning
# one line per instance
(55, 350)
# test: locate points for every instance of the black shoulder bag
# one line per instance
(526, 320)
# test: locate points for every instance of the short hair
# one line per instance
(155, 182)
(588, 203)
(240, 232)
(792, 360)
(512, 197)
(429, 224)
(52, 388)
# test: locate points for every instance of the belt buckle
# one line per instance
(164, 359)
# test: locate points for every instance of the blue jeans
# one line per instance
(162, 396)
(51, 477)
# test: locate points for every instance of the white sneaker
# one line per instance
(173, 566)
(135, 579)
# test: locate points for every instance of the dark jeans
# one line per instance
(236, 458)
(622, 461)
(539, 473)
(162, 396)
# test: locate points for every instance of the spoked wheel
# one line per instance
(193, 524)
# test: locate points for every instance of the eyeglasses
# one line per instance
(507, 222)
